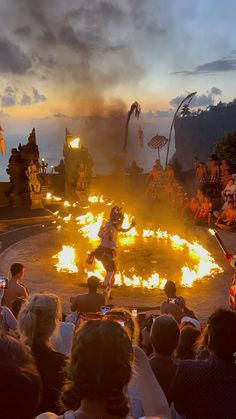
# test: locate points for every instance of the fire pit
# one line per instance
(148, 257)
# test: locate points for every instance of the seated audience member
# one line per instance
(20, 383)
(171, 305)
(15, 289)
(227, 200)
(188, 336)
(227, 218)
(92, 301)
(165, 339)
(16, 306)
(206, 389)
(7, 320)
(38, 319)
(100, 369)
(190, 208)
(230, 189)
(200, 197)
(203, 215)
(62, 338)
(232, 293)
(225, 177)
(201, 346)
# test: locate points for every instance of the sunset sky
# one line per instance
(61, 60)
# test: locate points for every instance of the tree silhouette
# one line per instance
(185, 111)
(226, 147)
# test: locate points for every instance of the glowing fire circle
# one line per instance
(139, 251)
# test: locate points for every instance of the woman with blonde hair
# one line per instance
(38, 320)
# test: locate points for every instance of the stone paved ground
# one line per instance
(35, 253)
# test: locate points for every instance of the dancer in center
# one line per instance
(106, 251)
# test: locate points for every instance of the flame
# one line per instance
(57, 198)
(67, 217)
(67, 204)
(96, 199)
(91, 230)
(203, 264)
(48, 195)
(75, 143)
(66, 260)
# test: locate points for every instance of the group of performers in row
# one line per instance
(213, 176)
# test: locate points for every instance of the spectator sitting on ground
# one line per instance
(225, 177)
(228, 199)
(206, 389)
(165, 339)
(15, 289)
(171, 305)
(230, 189)
(38, 319)
(187, 340)
(227, 218)
(20, 383)
(62, 338)
(16, 306)
(8, 322)
(190, 209)
(203, 215)
(92, 301)
(200, 196)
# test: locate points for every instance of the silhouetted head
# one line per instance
(165, 335)
(20, 383)
(93, 283)
(100, 366)
(17, 270)
(170, 289)
(221, 334)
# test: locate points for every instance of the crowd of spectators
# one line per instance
(108, 362)
(215, 201)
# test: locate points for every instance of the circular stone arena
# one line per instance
(36, 254)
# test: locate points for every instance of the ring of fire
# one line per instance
(148, 246)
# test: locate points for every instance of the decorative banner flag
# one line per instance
(2, 141)
(158, 141)
(140, 138)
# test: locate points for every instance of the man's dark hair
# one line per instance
(170, 289)
(165, 335)
(16, 268)
(93, 283)
(221, 334)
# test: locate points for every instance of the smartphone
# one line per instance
(3, 282)
(105, 310)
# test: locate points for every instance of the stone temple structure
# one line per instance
(25, 183)
(78, 169)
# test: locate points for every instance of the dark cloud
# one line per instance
(216, 91)
(8, 98)
(23, 30)
(198, 100)
(25, 99)
(38, 97)
(61, 115)
(12, 58)
(224, 64)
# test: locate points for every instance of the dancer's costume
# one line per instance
(106, 251)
